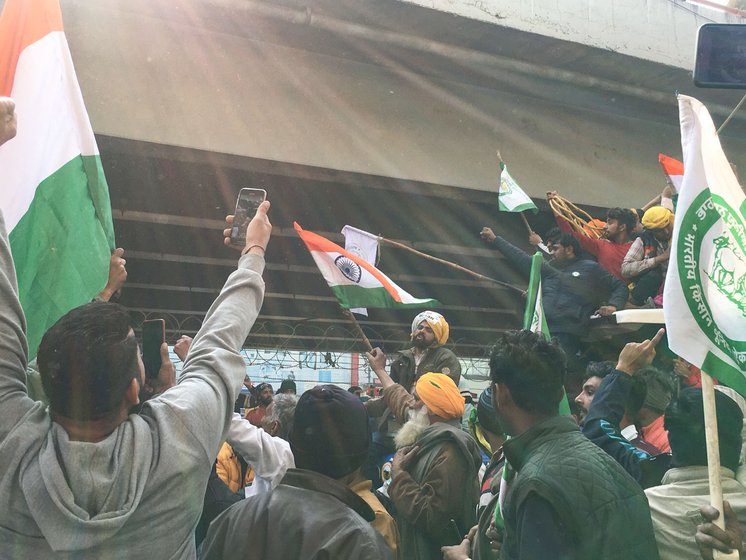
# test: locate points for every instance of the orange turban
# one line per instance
(440, 395)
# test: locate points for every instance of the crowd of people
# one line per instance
(98, 461)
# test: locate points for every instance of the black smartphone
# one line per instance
(246, 205)
(721, 56)
(153, 335)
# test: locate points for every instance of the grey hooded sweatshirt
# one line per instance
(139, 492)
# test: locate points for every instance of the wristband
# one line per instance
(250, 248)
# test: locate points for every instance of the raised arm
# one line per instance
(14, 402)
(520, 259)
(588, 244)
(396, 397)
(203, 399)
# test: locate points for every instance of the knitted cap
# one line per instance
(330, 431)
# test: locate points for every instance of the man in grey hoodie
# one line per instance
(83, 478)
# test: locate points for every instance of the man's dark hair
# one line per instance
(598, 369)
(685, 422)
(87, 359)
(636, 397)
(624, 216)
(532, 368)
(564, 239)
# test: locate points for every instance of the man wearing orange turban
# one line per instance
(434, 472)
(430, 332)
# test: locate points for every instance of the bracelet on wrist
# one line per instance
(246, 250)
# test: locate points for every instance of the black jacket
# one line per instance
(571, 291)
(308, 515)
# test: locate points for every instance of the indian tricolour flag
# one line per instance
(510, 197)
(355, 282)
(52, 188)
(673, 169)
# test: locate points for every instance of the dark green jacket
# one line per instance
(436, 360)
(602, 508)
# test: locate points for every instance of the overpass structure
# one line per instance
(381, 114)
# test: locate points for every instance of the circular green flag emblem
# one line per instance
(712, 272)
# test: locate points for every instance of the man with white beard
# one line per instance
(434, 481)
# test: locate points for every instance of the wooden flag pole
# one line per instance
(713, 458)
(525, 221)
(448, 263)
(351, 316)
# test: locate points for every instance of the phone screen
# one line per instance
(721, 56)
(246, 205)
(153, 335)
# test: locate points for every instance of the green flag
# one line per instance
(534, 319)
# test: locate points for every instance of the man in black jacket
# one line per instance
(312, 513)
(573, 289)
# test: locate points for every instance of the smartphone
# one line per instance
(153, 335)
(246, 205)
(721, 56)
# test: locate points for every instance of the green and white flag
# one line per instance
(704, 301)
(534, 319)
(53, 193)
(510, 197)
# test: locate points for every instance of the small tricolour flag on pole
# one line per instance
(704, 299)
(355, 282)
(53, 192)
(510, 197)
(673, 169)
(365, 246)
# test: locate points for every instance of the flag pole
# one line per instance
(448, 263)
(351, 316)
(525, 221)
(713, 458)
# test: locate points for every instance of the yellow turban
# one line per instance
(440, 395)
(437, 322)
(657, 217)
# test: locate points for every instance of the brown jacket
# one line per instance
(440, 485)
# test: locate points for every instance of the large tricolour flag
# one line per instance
(355, 282)
(52, 188)
(704, 301)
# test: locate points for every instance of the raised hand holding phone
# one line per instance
(247, 204)
(257, 233)
(153, 336)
